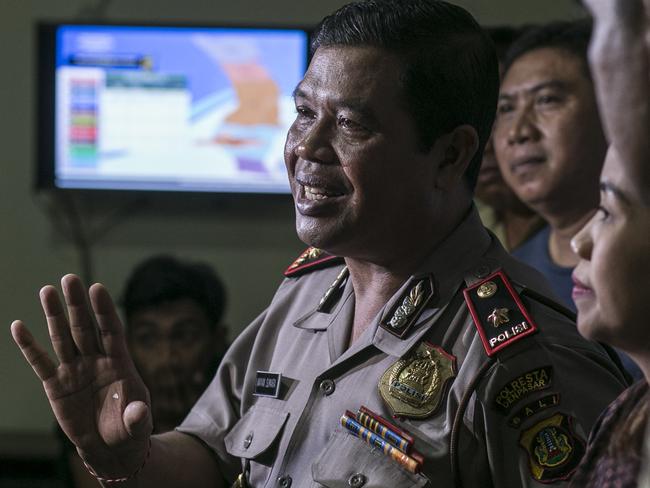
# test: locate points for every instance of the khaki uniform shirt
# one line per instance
(297, 439)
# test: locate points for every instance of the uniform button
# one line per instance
(248, 440)
(284, 481)
(482, 271)
(357, 480)
(327, 387)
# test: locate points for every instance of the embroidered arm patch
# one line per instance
(532, 408)
(554, 450)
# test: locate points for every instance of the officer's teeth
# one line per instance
(313, 193)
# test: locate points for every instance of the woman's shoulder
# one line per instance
(620, 407)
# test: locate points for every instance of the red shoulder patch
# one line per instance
(498, 312)
(311, 259)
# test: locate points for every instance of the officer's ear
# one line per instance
(455, 151)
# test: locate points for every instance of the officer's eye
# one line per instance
(504, 108)
(303, 111)
(548, 99)
(350, 124)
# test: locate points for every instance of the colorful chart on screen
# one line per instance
(175, 108)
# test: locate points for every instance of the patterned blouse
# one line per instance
(599, 468)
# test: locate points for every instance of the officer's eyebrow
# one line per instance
(298, 92)
(355, 105)
(556, 84)
(546, 84)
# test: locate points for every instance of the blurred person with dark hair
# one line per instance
(404, 309)
(550, 145)
(501, 210)
(612, 278)
(173, 311)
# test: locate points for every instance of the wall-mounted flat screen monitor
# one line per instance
(193, 109)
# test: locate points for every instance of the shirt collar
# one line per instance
(458, 260)
(455, 262)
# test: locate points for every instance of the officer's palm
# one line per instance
(95, 380)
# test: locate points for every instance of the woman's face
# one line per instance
(612, 279)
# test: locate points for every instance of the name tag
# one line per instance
(267, 384)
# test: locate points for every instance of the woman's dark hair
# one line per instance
(630, 433)
(164, 278)
(450, 74)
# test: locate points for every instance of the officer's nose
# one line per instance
(524, 127)
(315, 144)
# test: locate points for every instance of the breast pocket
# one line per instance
(347, 461)
(254, 435)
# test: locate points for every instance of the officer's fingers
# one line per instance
(646, 5)
(604, 10)
(594, 6)
(40, 362)
(589, 5)
(82, 327)
(137, 420)
(111, 332)
(57, 324)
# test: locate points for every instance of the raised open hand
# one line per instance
(629, 11)
(619, 58)
(95, 391)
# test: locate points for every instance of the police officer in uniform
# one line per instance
(404, 310)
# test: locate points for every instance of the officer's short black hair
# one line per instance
(572, 37)
(163, 278)
(503, 36)
(450, 75)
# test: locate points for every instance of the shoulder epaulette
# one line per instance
(311, 259)
(550, 303)
(498, 312)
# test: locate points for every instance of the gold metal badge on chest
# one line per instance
(414, 385)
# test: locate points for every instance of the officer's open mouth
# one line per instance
(521, 165)
(316, 193)
(316, 188)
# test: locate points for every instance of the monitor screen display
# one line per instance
(171, 108)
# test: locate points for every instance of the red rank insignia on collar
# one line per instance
(311, 259)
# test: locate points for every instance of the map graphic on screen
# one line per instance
(174, 108)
